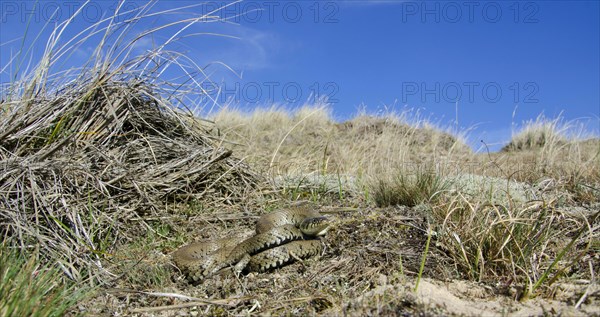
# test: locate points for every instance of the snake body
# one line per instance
(284, 254)
(281, 237)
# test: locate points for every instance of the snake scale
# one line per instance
(280, 238)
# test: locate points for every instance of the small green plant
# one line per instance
(340, 187)
(424, 258)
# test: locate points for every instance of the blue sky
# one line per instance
(491, 65)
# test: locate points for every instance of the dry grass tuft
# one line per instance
(517, 243)
(80, 169)
(409, 188)
(539, 133)
(557, 148)
(556, 153)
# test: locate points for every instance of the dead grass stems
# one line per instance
(83, 154)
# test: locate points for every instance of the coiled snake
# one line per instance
(281, 237)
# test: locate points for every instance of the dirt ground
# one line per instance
(369, 268)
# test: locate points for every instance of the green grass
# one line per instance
(424, 185)
(30, 289)
(520, 244)
(423, 258)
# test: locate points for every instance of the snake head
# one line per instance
(315, 226)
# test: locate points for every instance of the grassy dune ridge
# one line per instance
(105, 172)
(308, 141)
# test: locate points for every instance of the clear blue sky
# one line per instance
(481, 62)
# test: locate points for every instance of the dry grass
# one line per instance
(105, 172)
(541, 133)
(83, 170)
(555, 148)
(307, 145)
(85, 163)
(513, 244)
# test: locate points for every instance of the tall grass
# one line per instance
(86, 150)
(513, 243)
